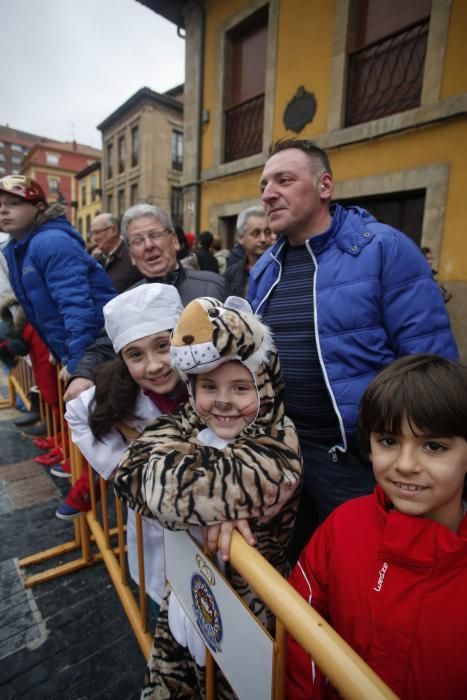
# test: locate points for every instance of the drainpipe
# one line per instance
(199, 126)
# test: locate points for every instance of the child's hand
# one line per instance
(224, 532)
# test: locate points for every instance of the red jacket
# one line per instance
(395, 588)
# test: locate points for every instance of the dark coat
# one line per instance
(236, 280)
(120, 269)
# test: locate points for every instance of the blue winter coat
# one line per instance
(61, 288)
(375, 300)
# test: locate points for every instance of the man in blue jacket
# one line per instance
(61, 288)
(344, 295)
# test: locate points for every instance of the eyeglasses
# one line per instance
(153, 236)
(101, 230)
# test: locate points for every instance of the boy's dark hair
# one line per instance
(314, 152)
(114, 398)
(428, 390)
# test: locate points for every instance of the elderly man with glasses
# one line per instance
(115, 258)
(152, 245)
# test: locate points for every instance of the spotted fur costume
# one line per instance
(168, 475)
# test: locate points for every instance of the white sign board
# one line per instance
(241, 646)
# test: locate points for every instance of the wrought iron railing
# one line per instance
(244, 129)
(386, 77)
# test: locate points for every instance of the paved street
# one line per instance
(68, 638)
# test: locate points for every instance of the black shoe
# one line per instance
(28, 419)
(37, 430)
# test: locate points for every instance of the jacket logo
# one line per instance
(381, 575)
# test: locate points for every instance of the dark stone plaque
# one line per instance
(300, 110)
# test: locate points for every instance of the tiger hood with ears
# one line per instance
(209, 333)
(166, 473)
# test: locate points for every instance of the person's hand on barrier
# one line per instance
(52, 359)
(64, 375)
(219, 537)
(76, 387)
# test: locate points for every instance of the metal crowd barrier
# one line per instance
(97, 540)
(20, 380)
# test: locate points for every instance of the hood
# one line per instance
(210, 333)
(52, 218)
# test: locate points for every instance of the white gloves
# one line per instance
(185, 632)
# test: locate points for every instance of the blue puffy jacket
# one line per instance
(61, 288)
(375, 300)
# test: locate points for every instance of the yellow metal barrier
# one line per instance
(20, 380)
(93, 535)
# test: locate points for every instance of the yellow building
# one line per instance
(381, 85)
(89, 195)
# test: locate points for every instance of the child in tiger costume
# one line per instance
(219, 458)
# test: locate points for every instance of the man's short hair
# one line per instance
(244, 215)
(314, 152)
(140, 210)
(427, 390)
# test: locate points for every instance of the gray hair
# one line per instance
(140, 210)
(245, 215)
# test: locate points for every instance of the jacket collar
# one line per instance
(351, 231)
(418, 542)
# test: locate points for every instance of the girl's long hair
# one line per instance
(114, 399)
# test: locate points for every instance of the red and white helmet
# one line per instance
(24, 187)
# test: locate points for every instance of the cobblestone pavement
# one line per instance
(68, 638)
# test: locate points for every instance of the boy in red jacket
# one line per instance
(389, 571)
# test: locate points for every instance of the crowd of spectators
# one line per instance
(316, 393)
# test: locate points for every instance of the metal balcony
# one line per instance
(244, 129)
(386, 77)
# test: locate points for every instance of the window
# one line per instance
(83, 193)
(93, 188)
(403, 210)
(177, 150)
(2, 157)
(16, 160)
(134, 145)
(16, 147)
(110, 155)
(53, 185)
(121, 154)
(15, 171)
(88, 224)
(244, 113)
(52, 158)
(2, 170)
(387, 58)
(121, 202)
(176, 205)
(110, 203)
(80, 225)
(2, 145)
(134, 194)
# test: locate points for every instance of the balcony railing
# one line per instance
(386, 77)
(244, 129)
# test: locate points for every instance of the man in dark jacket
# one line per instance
(153, 246)
(115, 258)
(61, 288)
(254, 234)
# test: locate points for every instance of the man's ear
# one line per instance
(176, 242)
(326, 186)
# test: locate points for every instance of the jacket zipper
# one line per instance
(333, 450)
(276, 282)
